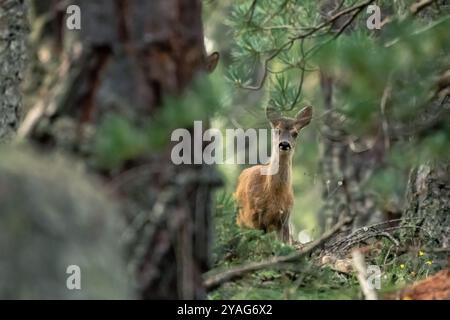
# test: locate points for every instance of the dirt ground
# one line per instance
(436, 287)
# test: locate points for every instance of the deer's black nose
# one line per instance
(284, 145)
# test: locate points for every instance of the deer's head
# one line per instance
(287, 129)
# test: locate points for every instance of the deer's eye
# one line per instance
(294, 134)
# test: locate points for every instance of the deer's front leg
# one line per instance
(286, 234)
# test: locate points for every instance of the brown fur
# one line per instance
(265, 201)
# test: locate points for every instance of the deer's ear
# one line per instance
(303, 117)
(211, 61)
(272, 114)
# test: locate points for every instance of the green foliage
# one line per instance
(404, 57)
(435, 146)
(234, 245)
(260, 32)
(406, 60)
(301, 280)
(322, 284)
(118, 139)
(402, 268)
(388, 183)
(384, 82)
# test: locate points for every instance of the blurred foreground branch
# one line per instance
(361, 273)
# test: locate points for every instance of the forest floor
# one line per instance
(308, 278)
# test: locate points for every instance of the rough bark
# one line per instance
(346, 165)
(345, 171)
(428, 205)
(126, 58)
(13, 33)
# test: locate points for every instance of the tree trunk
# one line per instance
(13, 33)
(346, 166)
(345, 169)
(128, 56)
(428, 205)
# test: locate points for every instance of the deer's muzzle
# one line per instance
(285, 146)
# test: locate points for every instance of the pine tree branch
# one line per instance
(361, 273)
(420, 5)
(251, 11)
(356, 8)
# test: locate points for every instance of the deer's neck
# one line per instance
(282, 178)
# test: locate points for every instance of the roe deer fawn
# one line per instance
(265, 200)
